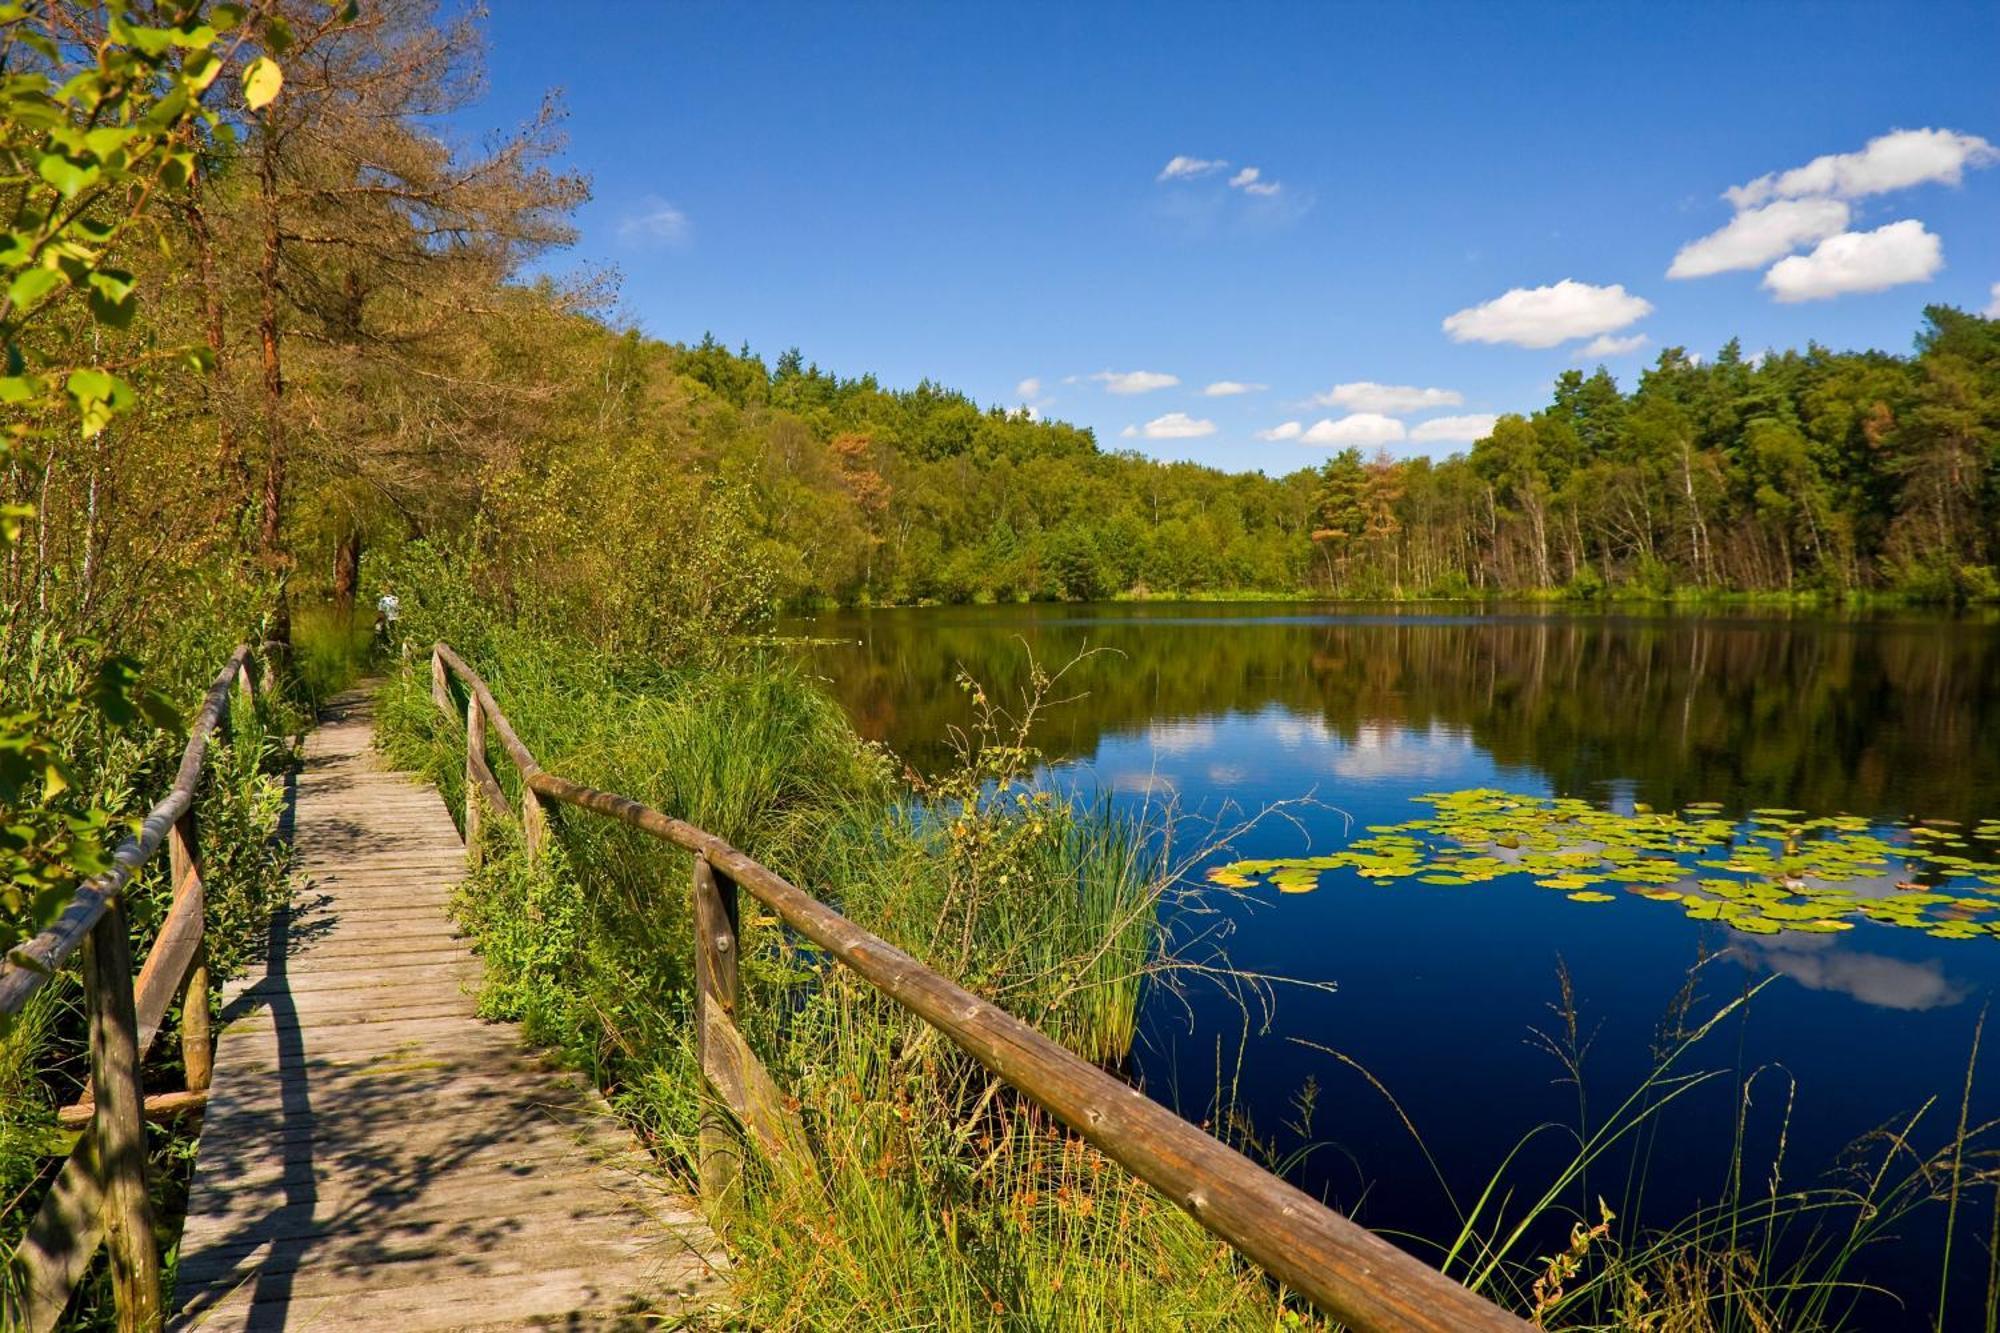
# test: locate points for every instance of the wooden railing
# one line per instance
(100, 1197)
(1346, 1270)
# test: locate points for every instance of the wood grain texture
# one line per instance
(374, 1155)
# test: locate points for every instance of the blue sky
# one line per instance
(975, 194)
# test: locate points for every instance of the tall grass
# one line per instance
(938, 1198)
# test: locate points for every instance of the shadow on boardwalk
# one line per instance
(377, 1157)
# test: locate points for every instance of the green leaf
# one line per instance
(27, 290)
(69, 176)
(261, 82)
(100, 396)
(111, 300)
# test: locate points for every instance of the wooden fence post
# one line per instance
(118, 1123)
(715, 953)
(440, 691)
(197, 1054)
(475, 759)
(534, 823)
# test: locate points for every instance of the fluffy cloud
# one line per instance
(1359, 428)
(1287, 430)
(1893, 161)
(1135, 381)
(1391, 399)
(1756, 236)
(1545, 316)
(1177, 426)
(1454, 430)
(1250, 180)
(1859, 261)
(1030, 387)
(1605, 344)
(1992, 310)
(1181, 167)
(657, 222)
(1230, 388)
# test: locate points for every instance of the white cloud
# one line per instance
(1288, 430)
(1392, 399)
(1545, 316)
(1177, 426)
(1181, 167)
(1135, 381)
(1605, 344)
(1992, 310)
(1756, 236)
(1030, 387)
(1130, 432)
(1454, 430)
(1230, 388)
(1359, 428)
(1251, 180)
(1859, 261)
(1893, 161)
(658, 222)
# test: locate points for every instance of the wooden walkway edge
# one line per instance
(376, 1156)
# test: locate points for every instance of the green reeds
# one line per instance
(944, 1200)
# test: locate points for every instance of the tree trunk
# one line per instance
(278, 637)
(229, 463)
(346, 573)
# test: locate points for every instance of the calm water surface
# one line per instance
(1439, 991)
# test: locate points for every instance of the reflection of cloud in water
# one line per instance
(1380, 751)
(1228, 775)
(1182, 735)
(1819, 963)
(1291, 731)
(1140, 782)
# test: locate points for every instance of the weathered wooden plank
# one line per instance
(369, 1135)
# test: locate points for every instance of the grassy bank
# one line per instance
(944, 1200)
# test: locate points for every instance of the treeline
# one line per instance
(1831, 473)
(1822, 473)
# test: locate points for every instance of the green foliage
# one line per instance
(89, 151)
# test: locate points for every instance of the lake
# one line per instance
(1449, 995)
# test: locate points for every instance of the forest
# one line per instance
(350, 339)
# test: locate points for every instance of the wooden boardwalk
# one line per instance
(375, 1156)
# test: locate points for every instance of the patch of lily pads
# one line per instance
(1775, 870)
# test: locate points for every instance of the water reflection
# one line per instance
(1887, 717)
(1229, 711)
(1822, 964)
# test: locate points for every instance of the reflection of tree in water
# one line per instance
(1882, 718)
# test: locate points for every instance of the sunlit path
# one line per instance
(375, 1156)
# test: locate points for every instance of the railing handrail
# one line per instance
(28, 966)
(1346, 1270)
(100, 1197)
